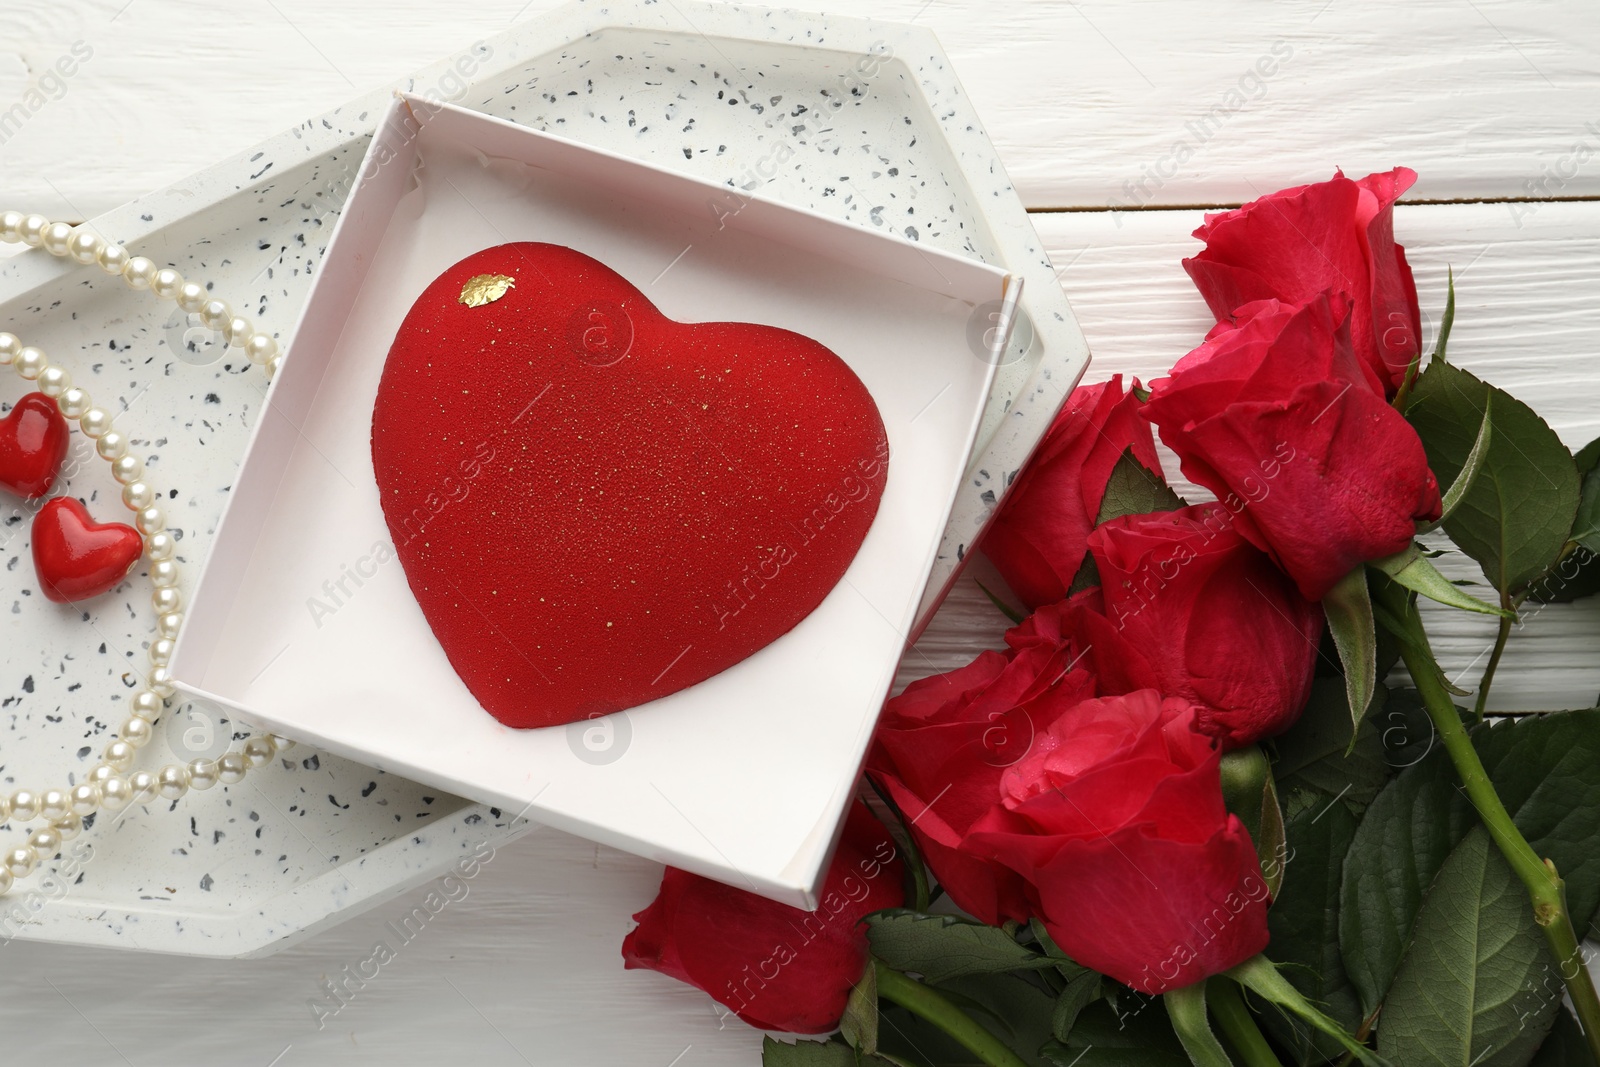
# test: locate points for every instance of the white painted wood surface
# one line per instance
(1481, 96)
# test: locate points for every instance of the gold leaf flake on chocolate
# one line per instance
(486, 289)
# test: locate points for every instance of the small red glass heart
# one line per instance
(77, 558)
(33, 442)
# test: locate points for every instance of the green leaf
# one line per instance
(1187, 1009)
(1005, 609)
(1304, 923)
(1474, 461)
(1515, 518)
(1586, 526)
(1250, 793)
(1134, 1033)
(1082, 990)
(1317, 753)
(1134, 489)
(1546, 769)
(1022, 1012)
(1261, 976)
(1088, 575)
(1348, 607)
(1587, 458)
(1413, 570)
(1468, 991)
(806, 1054)
(859, 1025)
(944, 947)
(1564, 1046)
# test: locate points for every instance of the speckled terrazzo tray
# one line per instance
(861, 120)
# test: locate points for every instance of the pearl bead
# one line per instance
(69, 826)
(140, 273)
(55, 805)
(11, 226)
(260, 348)
(160, 546)
(21, 861)
(32, 230)
(202, 774)
(46, 841)
(85, 245)
(142, 787)
(166, 284)
(231, 767)
(111, 445)
(161, 651)
(119, 754)
(216, 314)
(6, 881)
(172, 782)
(102, 772)
(56, 239)
(160, 679)
(73, 403)
(113, 259)
(191, 296)
(24, 805)
(10, 348)
(259, 750)
(127, 469)
(147, 706)
(85, 799)
(170, 624)
(236, 331)
(5, 807)
(94, 422)
(149, 520)
(163, 574)
(31, 363)
(165, 600)
(115, 794)
(138, 495)
(53, 381)
(136, 731)
(274, 365)
(281, 743)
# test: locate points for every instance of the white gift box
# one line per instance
(304, 624)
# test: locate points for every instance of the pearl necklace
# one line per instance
(110, 785)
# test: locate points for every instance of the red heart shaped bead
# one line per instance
(77, 558)
(596, 505)
(33, 442)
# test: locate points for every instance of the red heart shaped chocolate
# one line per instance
(596, 505)
(77, 558)
(33, 442)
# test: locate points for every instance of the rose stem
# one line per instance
(1545, 887)
(1238, 1025)
(927, 1004)
(1500, 637)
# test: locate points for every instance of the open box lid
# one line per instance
(301, 625)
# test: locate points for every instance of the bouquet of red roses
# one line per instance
(1195, 811)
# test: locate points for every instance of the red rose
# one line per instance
(776, 967)
(943, 744)
(1117, 822)
(1335, 235)
(1036, 540)
(1193, 610)
(1273, 414)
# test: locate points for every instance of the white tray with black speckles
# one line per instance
(861, 120)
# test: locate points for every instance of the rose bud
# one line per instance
(1272, 414)
(1036, 539)
(776, 967)
(1191, 609)
(1116, 821)
(1335, 235)
(943, 744)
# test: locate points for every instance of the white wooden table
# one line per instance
(1118, 121)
